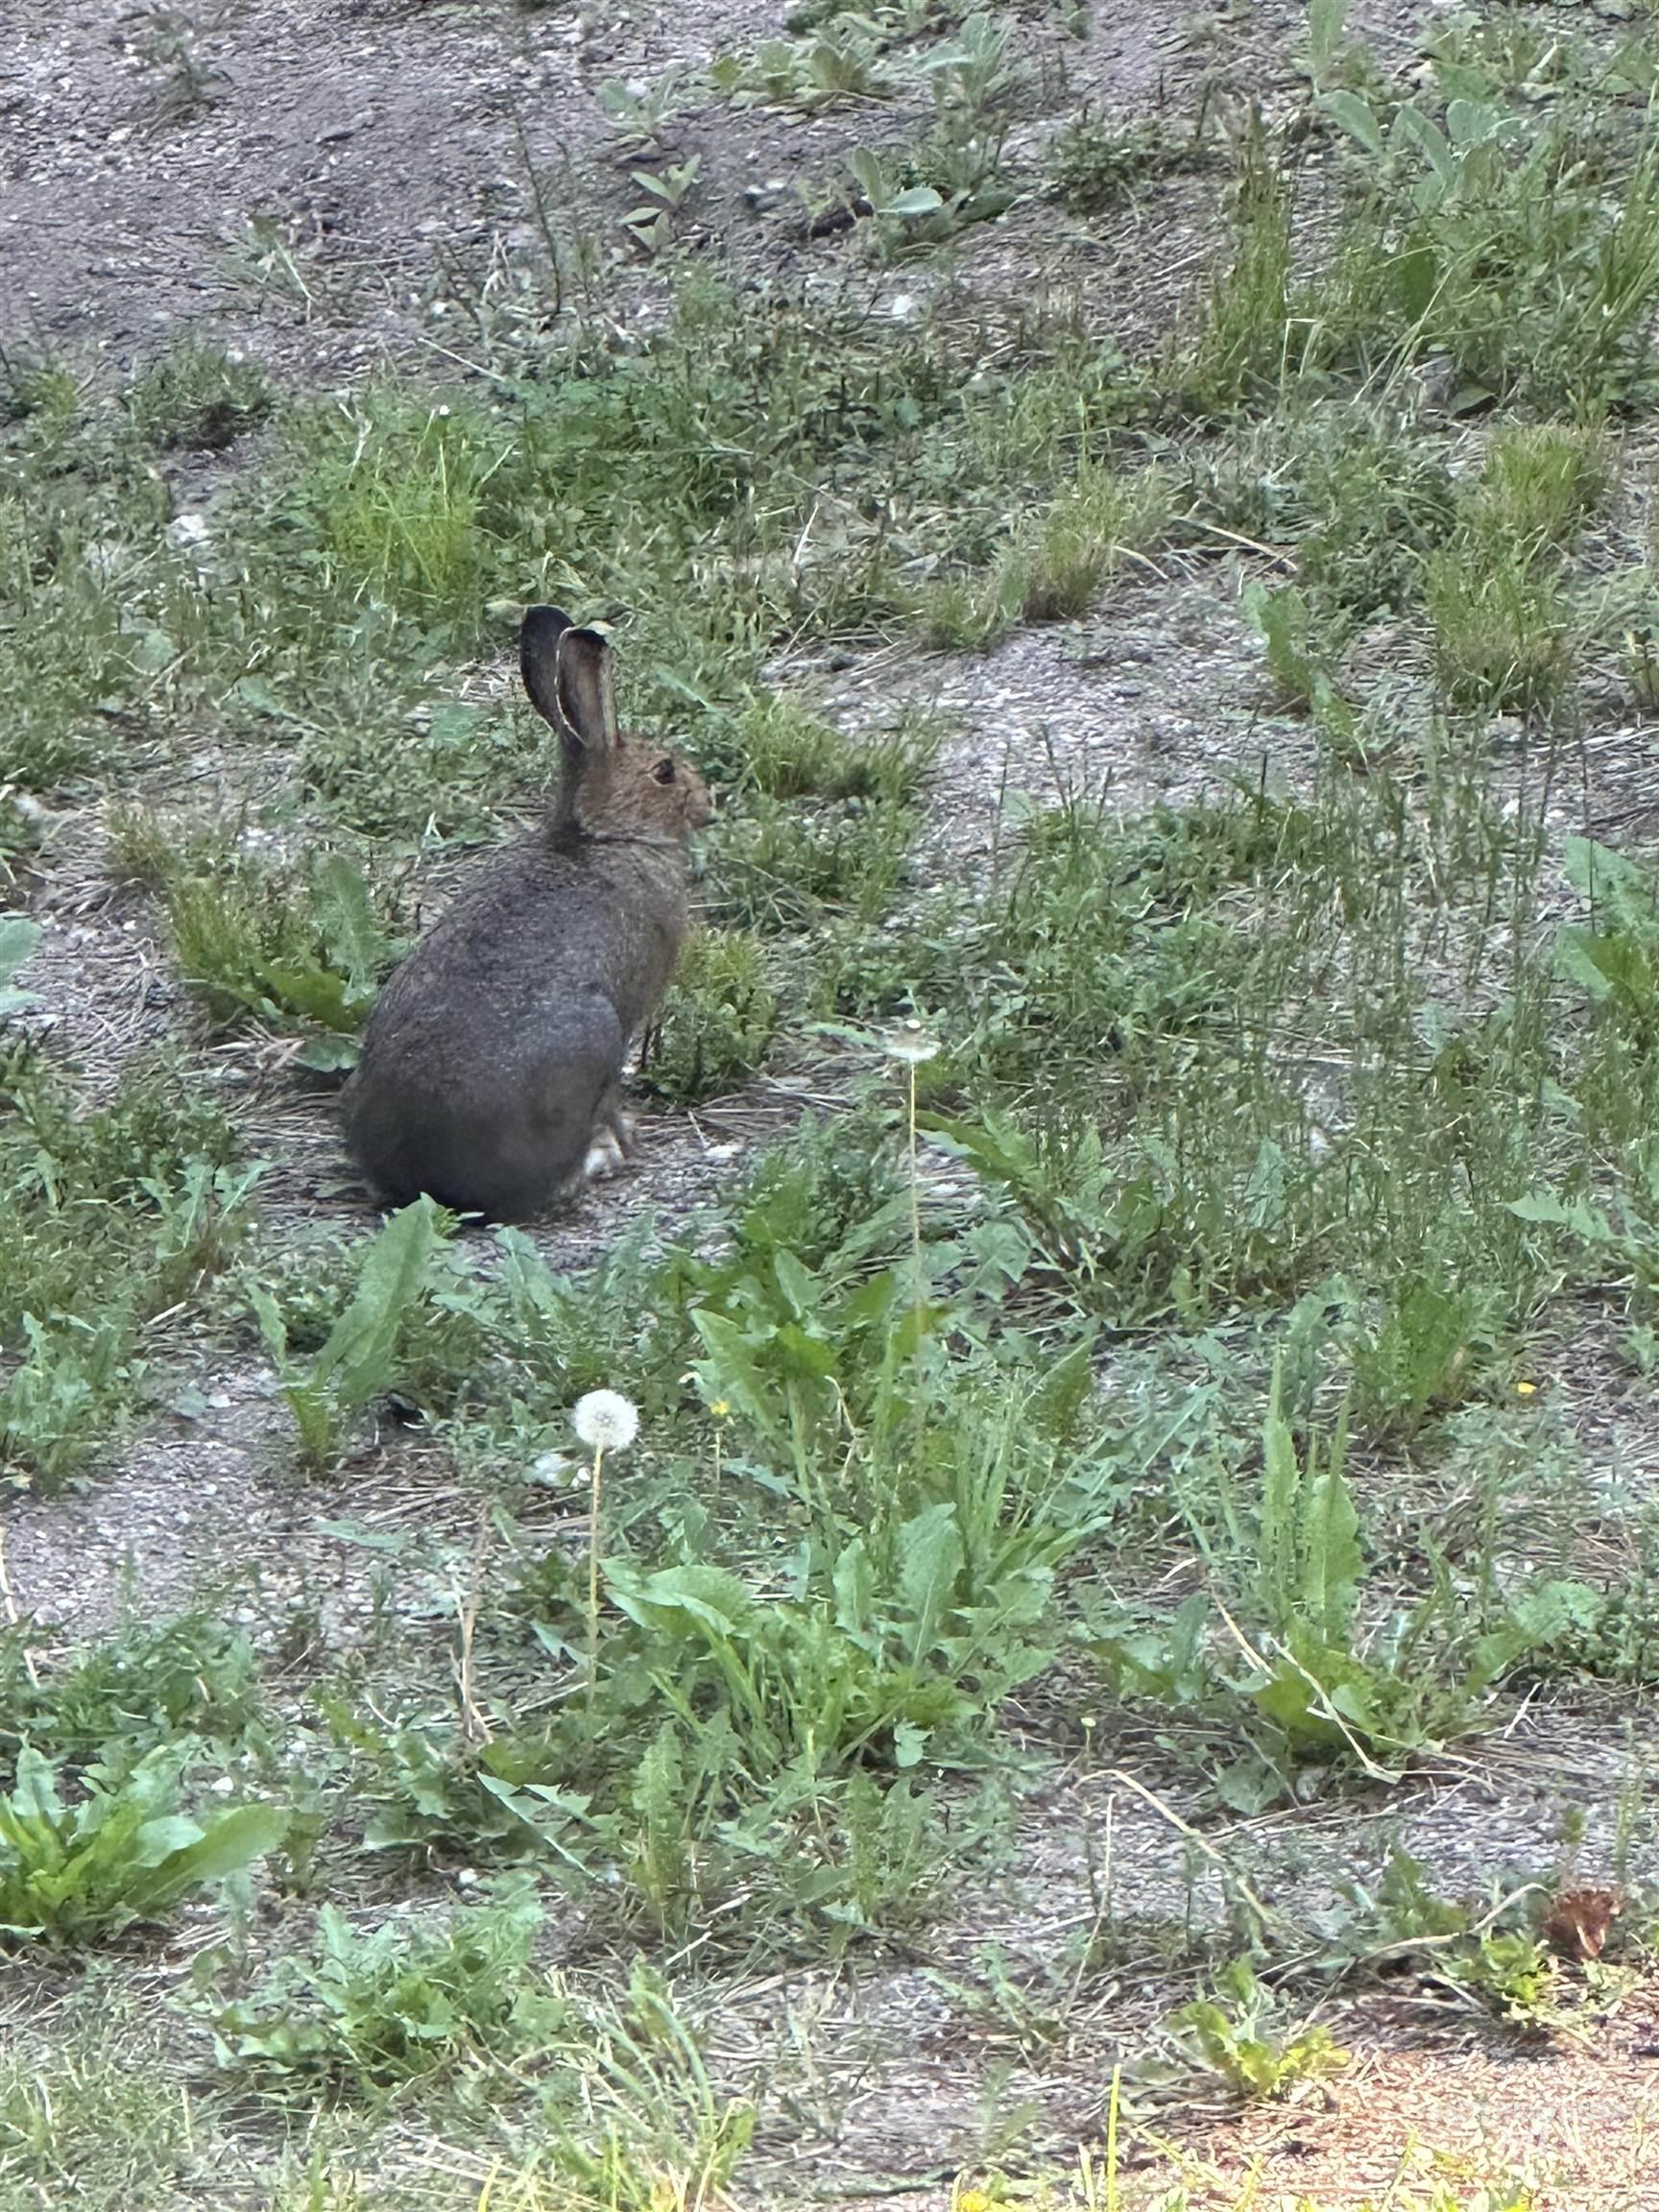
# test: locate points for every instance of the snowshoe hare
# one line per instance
(496, 1049)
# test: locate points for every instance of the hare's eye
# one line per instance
(663, 771)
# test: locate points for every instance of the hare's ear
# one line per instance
(538, 659)
(587, 706)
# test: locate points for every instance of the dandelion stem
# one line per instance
(593, 1577)
(915, 1210)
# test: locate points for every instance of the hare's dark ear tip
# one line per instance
(539, 636)
(543, 626)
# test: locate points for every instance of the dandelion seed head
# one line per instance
(605, 1421)
(909, 1042)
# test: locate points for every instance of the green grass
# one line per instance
(286, 946)
(1096, 166)
(718, 1019)
(199, 397)
(1053, 567)
(89, 2105)
(1502, 631)
(140, 1197)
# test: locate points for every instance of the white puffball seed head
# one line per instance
(911, 1042)
(606, 1421)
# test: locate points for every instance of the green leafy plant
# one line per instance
(891, 202)
(1307, 1529)
(356, 1363)
(166, 41)
(305, 954)
(725, 1710)
(718, 1018)
(198, 398)
(65, 1394)
(644, 113)
(1484, 226)
(1237, 2034)
(666, 190)
(36, 383)
(397, 2003)
(1489, 1951)
(973, 74)
(1614, 959)
(133, 1194)
(144, 1684)
(883, 1673)
(125, 1851)
(841, 60)
(1420, 1355)
(1327, 40)
(1094, 165)
(1286, 624)
(1314, 1684)
(1626, 1235)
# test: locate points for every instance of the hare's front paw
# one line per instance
(608, 1153)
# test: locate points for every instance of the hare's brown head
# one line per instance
(612, 786)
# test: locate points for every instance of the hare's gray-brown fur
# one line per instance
(497, 1048)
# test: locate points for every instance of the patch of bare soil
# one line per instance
(1574, 2116)
(368, 141)
(1062, 1968)
(1160, 697)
